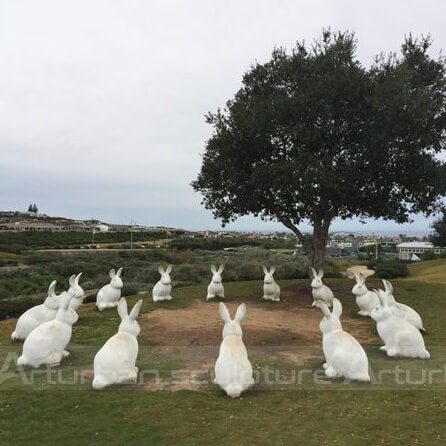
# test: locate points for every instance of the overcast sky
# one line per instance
(102, 103)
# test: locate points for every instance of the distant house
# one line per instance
(407, 249)
(101, 228)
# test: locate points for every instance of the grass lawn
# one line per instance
(405, 403)
(432, 271)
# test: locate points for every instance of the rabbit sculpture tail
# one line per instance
(115, 362)
(271, 290)
(215, 288)
(37, 315)
(344, 354)
(321, 292)
(233, 371)
(162, 289)
(108, 296)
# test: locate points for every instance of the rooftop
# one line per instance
(424, 245)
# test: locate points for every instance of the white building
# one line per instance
(101, 228)
(407, 249)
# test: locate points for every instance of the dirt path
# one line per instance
(359, 269)
(287, 331)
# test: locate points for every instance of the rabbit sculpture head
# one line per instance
(330, 322)
(381, 312)
(52, 301)
(66, 314)
(165, 274)
(360, 288)
(232, 326)
(216, 274)
(129, 324)
(116, 281)
(75, 289)
(317, 278)
(269, 274)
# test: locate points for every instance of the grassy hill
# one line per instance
(433, 271)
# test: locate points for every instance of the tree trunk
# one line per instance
(313, 246)
(316, 251)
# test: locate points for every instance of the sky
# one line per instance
(102, 102)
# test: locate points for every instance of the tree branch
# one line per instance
(290, 225)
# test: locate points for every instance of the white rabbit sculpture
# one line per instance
(76, 291)
(108, 296)
(401, 310)
(37, 315)
(399, 336)
(46, 344)
(321, 292)
(271, 289)
(233, 371)
(163, 288)
(215, 288)
(115, 362)
(344, 355)
(365, 299)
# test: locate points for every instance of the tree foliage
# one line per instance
(314, 135)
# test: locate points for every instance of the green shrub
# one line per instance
(391, 269)
(18, 242)
(429, 255)
(8, 262)
(140, 269)
(14, 307)
(130, 289)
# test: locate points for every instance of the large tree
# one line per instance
(313, 135)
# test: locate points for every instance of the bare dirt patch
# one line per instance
(358, 269)
(288, 331)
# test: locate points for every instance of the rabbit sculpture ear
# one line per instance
(388, 286)
(72, 280)
(314, 272)
(337, 308)
(122, 308)
(66, 301)
(320, 274)
(119, 272)
(213, 270)
(272, 270)
(135, 310)
(76, 280)
(161, 270)
(169, 269)
(265, 270)
(52, 289)
(112, 273)
(224, 313)
(382, 300)
(221, 268)
(323, 306)
(241, 313)
(357, 278)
